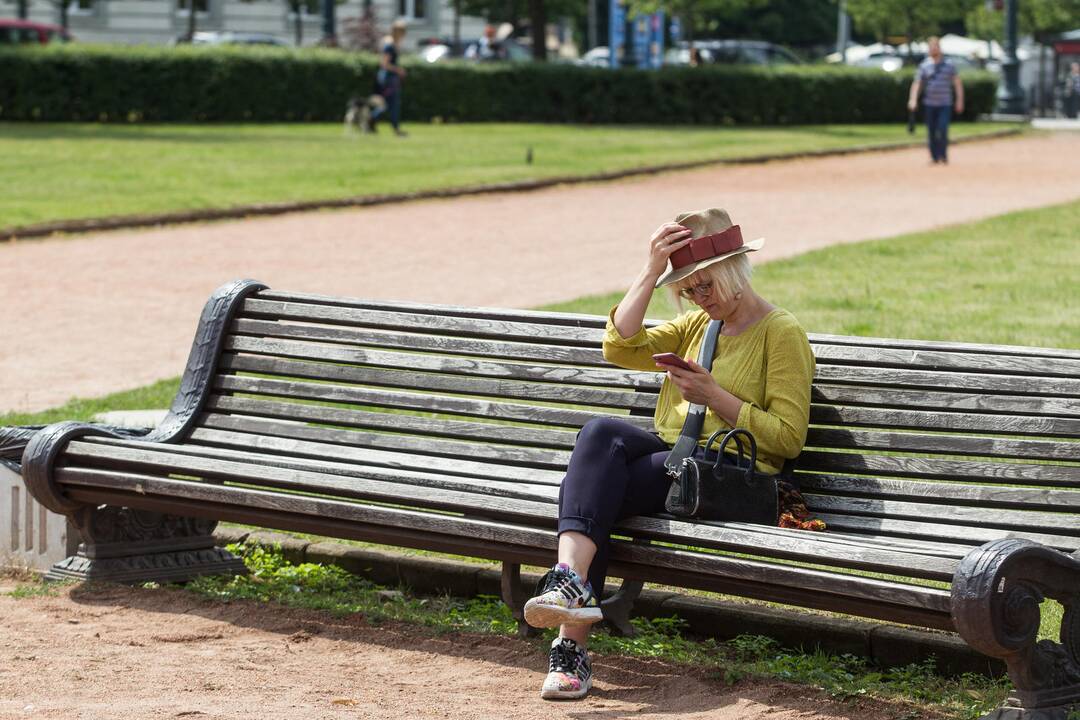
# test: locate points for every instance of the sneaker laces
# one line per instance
(564, 581)
(565, 657)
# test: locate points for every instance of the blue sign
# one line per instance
(656, 40)
(616, 32)
(675, 29)
(642, 33)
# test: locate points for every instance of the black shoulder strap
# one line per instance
(695, 417)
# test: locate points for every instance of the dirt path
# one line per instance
(106, 653)
(106, 312)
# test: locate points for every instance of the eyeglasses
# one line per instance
(702, 290)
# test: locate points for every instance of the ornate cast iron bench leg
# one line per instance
(617, 608)
(996, 593)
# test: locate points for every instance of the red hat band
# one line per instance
(708, 246)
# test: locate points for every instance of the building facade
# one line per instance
(160, 22)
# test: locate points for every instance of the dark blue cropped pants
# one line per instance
(616, 471)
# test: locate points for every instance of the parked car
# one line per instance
(732, 52)
(599, 56)
(510, 50)
(235, 38)
(24, 32)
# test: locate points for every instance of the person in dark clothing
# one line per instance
(390, 77)
(1072, 91)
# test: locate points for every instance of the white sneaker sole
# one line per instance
(554, 693)
(549, 616)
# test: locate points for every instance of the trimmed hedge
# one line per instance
(187, 84)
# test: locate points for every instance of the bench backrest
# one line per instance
(938, 441)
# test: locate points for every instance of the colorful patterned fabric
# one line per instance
(793, 512)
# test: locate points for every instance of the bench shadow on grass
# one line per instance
(658, 686)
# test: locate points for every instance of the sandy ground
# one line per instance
(100, 653)
(88, 315)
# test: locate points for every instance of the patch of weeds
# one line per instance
(330, 588)
(39, 588)
(849, 676)
(18, 572)
(659, 637)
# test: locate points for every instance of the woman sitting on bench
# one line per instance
(760, 380)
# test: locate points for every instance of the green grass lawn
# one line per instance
(1010, 279)
(64, 171)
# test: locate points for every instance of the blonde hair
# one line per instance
(728, 277)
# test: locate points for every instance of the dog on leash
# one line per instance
(358, 113)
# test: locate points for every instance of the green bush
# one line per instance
(185, 84)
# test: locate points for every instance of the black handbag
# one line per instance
(729, 490)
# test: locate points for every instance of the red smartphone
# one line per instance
(671, 359)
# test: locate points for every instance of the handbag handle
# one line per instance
(735, 434)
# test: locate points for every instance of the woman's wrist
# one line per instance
(725, 405)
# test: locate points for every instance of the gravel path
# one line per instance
(101, 653)
(89, 315)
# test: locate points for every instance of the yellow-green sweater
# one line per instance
(769, 366)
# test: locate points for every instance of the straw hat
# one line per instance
(714, 238)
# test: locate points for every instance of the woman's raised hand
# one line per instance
(668, 238)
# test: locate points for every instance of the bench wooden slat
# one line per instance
(948, 361)
(378, 458)
(912, 546)
(983, 496)
(962, 381)
(138, 489)
(957, 421)
(895, 398)
(391, 339)
(455, 384)
(940, 469)
(546, 317)
(943, 346)
(803, 578)
(1065, 524)
(528, 457)
(943, 444)
(394, 422)
(880, 527)
(430, 324)
(415, 401)
(625, 381)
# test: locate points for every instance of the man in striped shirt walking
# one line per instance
(943, 91)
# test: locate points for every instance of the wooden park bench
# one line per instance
(448, 428)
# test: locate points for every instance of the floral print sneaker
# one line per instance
(562, 597)
(569, 671)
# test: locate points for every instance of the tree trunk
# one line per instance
(457, 25)
(191, 21)
(538, 20)
(64, 14)
(298, 6)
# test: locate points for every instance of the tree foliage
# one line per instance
(910, 18)
(1040, 18)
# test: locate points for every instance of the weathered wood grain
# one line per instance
(417, 401)
(417, 380)
(394, 422)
